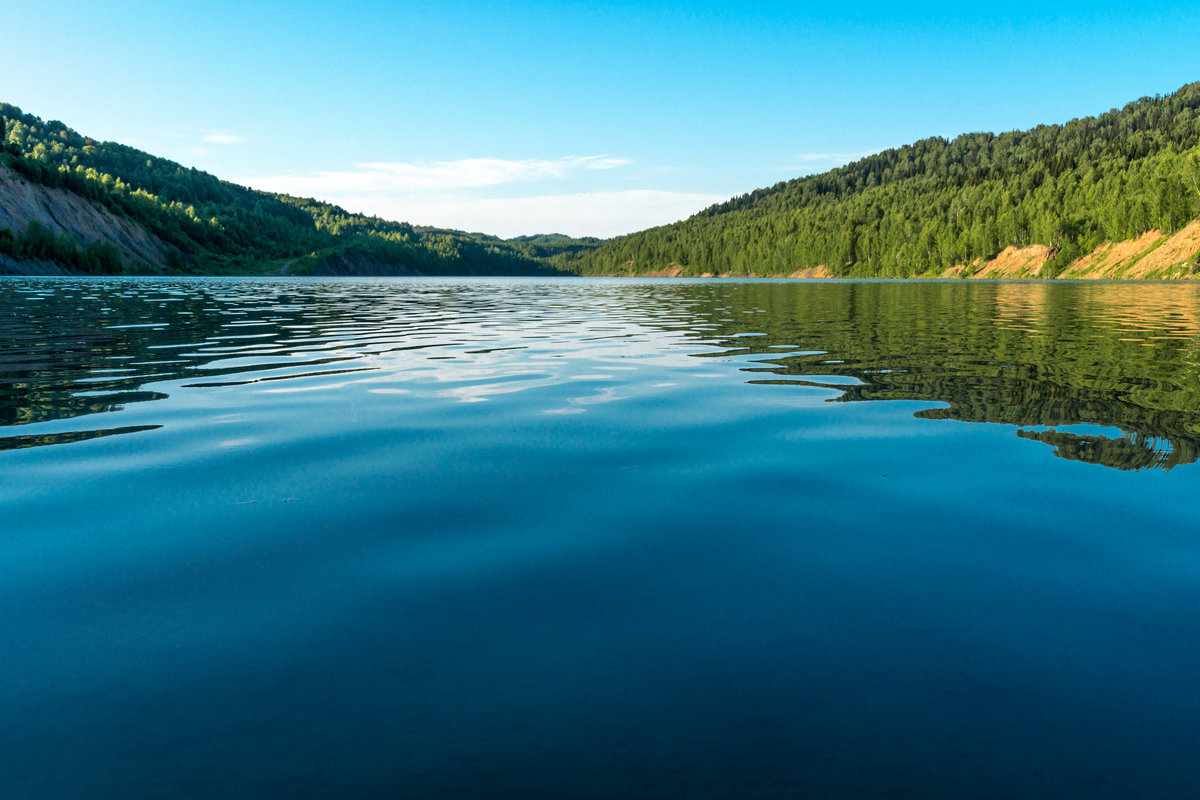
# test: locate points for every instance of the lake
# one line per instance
(593, 539)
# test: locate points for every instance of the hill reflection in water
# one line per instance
(1037, 355)
(1103, 373)
(573, 538)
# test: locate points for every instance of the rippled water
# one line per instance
(598, 538)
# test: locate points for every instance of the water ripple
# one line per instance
(1125, 356)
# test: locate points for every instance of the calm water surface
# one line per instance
(572, 538)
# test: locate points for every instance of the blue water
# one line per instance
(520, 538)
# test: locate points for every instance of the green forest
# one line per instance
(213, 227)
(928, 206)
(910, 211)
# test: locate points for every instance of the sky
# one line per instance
(580, 118)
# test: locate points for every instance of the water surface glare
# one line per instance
(572, 538)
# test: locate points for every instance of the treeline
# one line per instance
(937, 203)
(216, 226)
(38, 242)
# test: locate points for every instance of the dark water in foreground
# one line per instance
(473, 538)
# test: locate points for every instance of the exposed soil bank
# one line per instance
(1151, 256)
(65, 213)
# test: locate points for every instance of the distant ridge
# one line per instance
(1112, 196)
(69, 203)
(1052, 201)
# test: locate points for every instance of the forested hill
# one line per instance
(949, 207)
(102, 207)
(1116, 195)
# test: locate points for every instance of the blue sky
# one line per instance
(584, 118)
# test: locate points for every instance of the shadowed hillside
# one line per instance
(71, 203)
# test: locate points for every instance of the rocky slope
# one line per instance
(1151, 256)
(65, 213)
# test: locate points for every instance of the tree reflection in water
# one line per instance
(1044, 355)
(1041, 356)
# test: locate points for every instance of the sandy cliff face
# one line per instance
(64, 212)
(1151, 255)
(1015, 262)
(820, 271)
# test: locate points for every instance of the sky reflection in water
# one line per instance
(1043, 356)
(596, 538)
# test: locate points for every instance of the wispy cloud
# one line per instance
(449, 195)
(506, 197)
(603, 213)
(466, 173)
(222, 138)
(810, 162)
(829, 156)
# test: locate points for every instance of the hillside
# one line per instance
(71, 203)
(1112, 196)
(1090, 198)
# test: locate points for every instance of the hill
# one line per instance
(1111, 196)
(1093, 197)
(73, 204)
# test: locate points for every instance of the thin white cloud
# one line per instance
(830, 156)
(466, 173)
(810, 162)
(461, 194)
(222, 138)
(603, 214)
